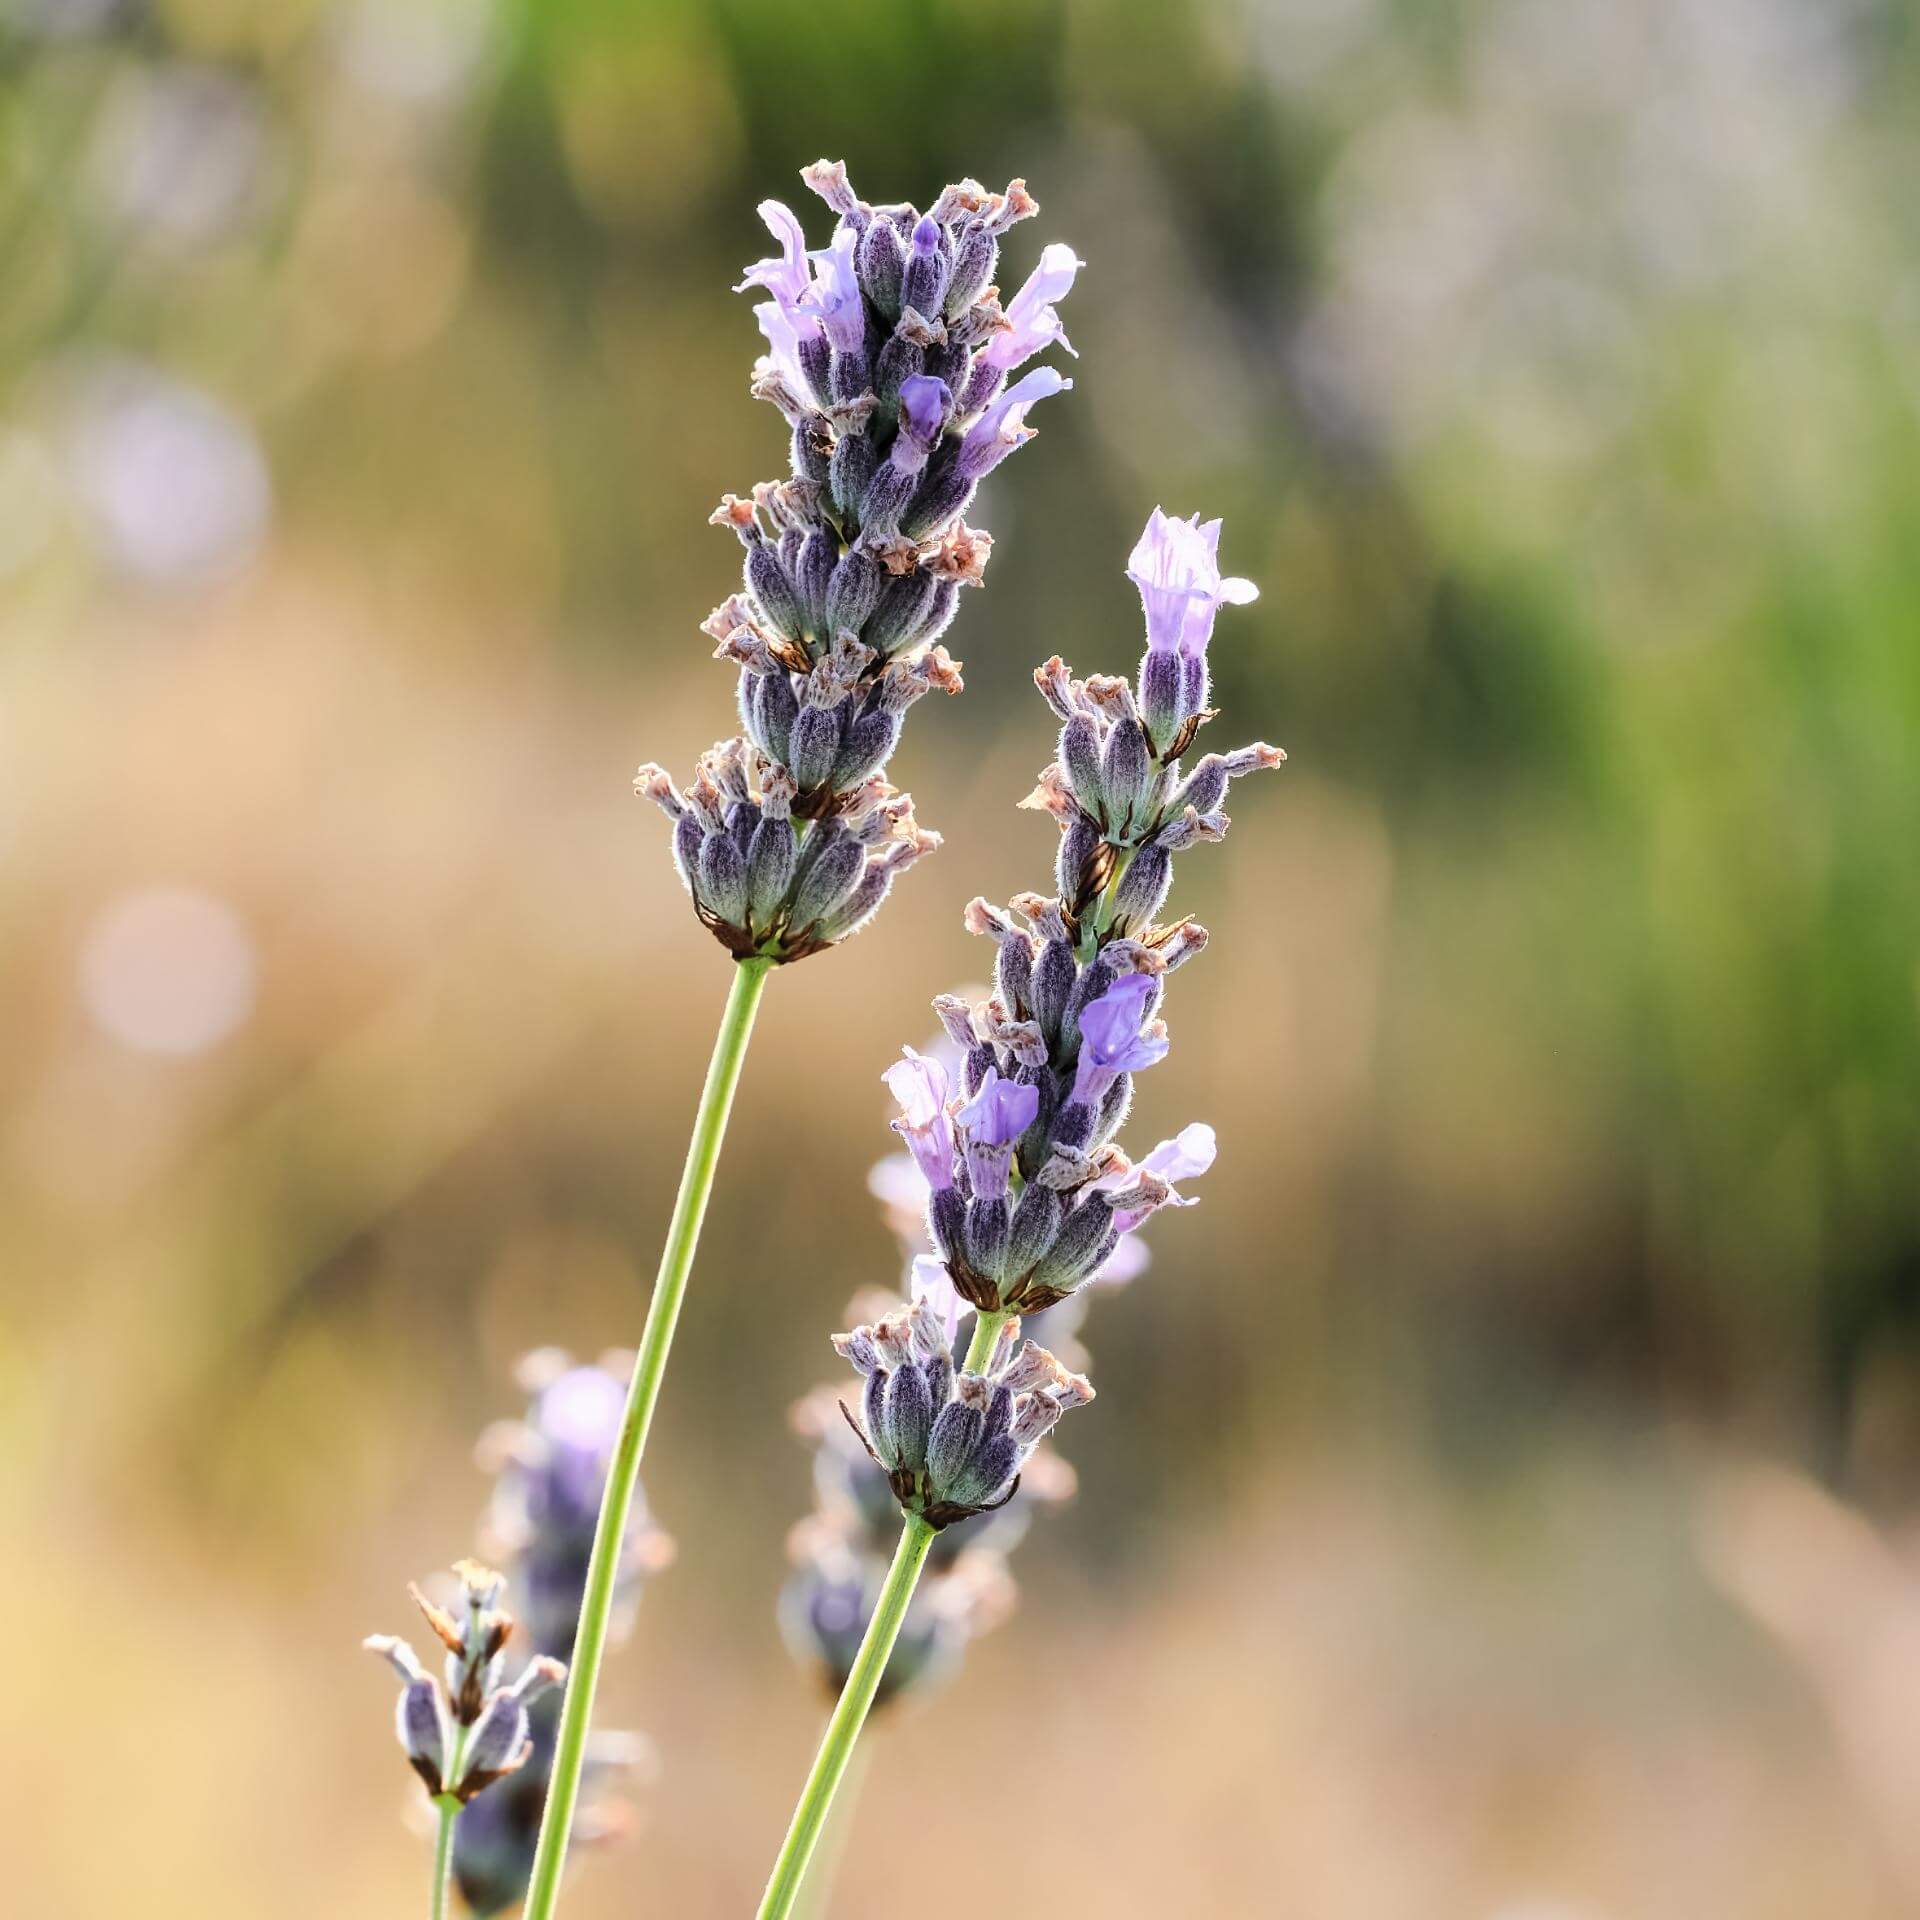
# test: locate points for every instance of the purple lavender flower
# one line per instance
(785, 331)
(925, 405)
(920, 1086)
(1032, 324)
(1176, 566)
(1111, 1042)
(1185, 1157)
(1003, 426)
(551, 1469)
(994, 1120)
(835, 295)
(786, 274)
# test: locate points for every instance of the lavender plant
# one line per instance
(890, 358)
(464, 1733)
(483, 1742)
(1029, 1190)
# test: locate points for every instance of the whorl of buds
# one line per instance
(951, 1442)
(462, 1733)
(760, 887)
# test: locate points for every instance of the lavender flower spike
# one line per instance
(952, 1443)
(490, 1712)
(1043, 1195)
(551, 1474)
(885, 354)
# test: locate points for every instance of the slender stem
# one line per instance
(843, 1729)
(649, 1366)
(443, 1855)
(817, 1895)
(448, 1807)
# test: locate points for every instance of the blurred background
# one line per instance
(1500, 1501)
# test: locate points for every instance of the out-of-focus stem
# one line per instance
(649, 1368)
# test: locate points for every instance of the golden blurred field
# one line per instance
(1500, 1500)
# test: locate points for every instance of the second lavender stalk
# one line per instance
(1029, 1194)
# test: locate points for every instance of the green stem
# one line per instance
(986, 1330)
(448, 1807)
(843, 1729)
(1100, 916)
(817, 1895)
(650, 1363)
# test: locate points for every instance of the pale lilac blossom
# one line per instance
(920, 1086)
(1176, 566)
(785, 274)
(1003, 426)
(835, 294)
(1032, 323)
(1185, 1157)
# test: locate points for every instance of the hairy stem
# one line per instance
(843, 1729)
(649, 1366)
(986, 1330)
